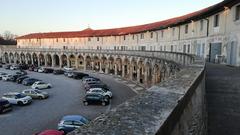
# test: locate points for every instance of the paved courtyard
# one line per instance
(65, 98)
(223, 99)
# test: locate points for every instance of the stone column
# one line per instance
(131, 73)
(53, 61)
(115, 69)
(100, 66)
(107, 68)
(146, 76)
(45, 62)
(32, 60)
(92, 63)
(138, 75)
(60, 62)
(38, 61)
(76, 62)
(84, 65)
(68, 61)
(123, 71)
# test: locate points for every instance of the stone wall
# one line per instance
(176, 106)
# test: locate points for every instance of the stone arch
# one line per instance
(72, 61)
(49, 60)
(140, 71)
(148, 73)
(6, 57)
(28, 58)
(126, 67)
(96, 63)
(11, 57)
(104, 67)
(80, 61)
(41, 59)
(156, 74)
(88, 63)
(64, 60)
(111, 65)
(56, 60)
(118, 66)
(35, 59)
(133, 74)
(22, 58)
(17, 57)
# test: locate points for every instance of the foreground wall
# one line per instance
(174, 107)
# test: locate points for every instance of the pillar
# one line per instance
(146, 76)
(123, 71)
(115, 69)
(45, 61)
(68, 61)
(100, 66)
(138, 75)
(76, 62)
(131, 72)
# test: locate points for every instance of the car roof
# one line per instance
(74, 117)
(96, 89)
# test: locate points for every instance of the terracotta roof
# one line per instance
(136, 29)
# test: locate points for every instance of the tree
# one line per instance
(7, 35)
(8, 39)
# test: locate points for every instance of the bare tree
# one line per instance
(7, 35)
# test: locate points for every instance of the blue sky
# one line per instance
(30, 16)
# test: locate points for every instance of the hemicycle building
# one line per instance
(147, 54)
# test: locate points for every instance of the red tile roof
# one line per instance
(136, 29)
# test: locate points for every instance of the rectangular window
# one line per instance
(216, 21)
(133, 37)
(162, 33)
(201, 25)
(173, 32)
(142, 36)
(97, 38)
(186, 29)
(64, 40)
(57, 40)
(151, 34)
(124, 37)
(89, 39)
(237, 15)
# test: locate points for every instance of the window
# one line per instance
(162, 33)
(186, 29)
(89, 39)
(151, 34)
(97, 38)
(142, 36)
(237, 14)
(124, 37)
(133, 37)
(201, 25)
(57, 40)
(173, 31)
(216, 21)
(64, 40)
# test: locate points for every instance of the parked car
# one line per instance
(97, 85)
(70, 74)
(79, 75)
(21, 78)
(41, 85)
(6, 66)
(40, 70)
(31, 68)
(21, 72)
(88, 84)
(90, 79)
(101, 91)
(6, 77)
(58, 72)
(48, 70)
(35, 69)
(13, 78)
(35, 94)
(23, 66)
(5, 106)
(71, 122)
(17, 98)
(1, 65)
(95, 98)
(2, 74)
(50, 132)
(14, 67)
(29, 81)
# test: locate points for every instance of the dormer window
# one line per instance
(216, 21)
(237, 13)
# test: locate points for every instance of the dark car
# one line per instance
(79, 75)
(71, 122)
(87, 85)
(94, 98)
(14, 77)
(29, 81)
(5, 106)
(20, 79)
(58, 72)
(23, 66)
(6, 66)
(31, 68)
(100, 85)
(48, 70)
(21, 72)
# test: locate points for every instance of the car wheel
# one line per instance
(107, 96)
(40, 97)
(85, 103)
(20, 103)
(48, 87)
(103, 103)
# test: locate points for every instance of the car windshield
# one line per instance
(20, 96)
(37, 91)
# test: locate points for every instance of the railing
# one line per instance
(177, 57)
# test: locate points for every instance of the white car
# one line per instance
(35, 94)
(17, 98)
(14, 67)
(41, 85)
(2, 74)
(6, 77)
(101, 91)
(41, 70)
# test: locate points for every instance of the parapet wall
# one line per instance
(174, 107)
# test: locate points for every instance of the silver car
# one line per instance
(36, 94)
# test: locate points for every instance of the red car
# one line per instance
(51, 132)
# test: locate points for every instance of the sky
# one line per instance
(31, 16)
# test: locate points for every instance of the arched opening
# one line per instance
(96, 63)
(11, 58)
(126, 69)
(41, 60)
(80, 61)
(17, 57)
(72, 61)
(6, 57)
(35, 59)
(104, 64)
(148, 77)
(134, 69)
(88, 63)
(22, 58)
(49, 60)
(56, 60)
(29, 59)
(64, 60)
(141, 70)
(111, 65)
(119, 66)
